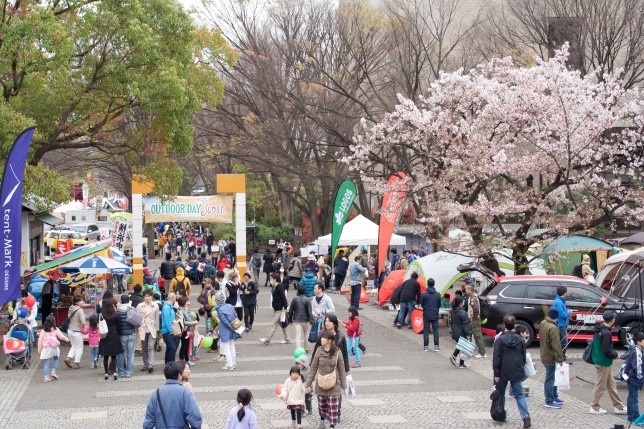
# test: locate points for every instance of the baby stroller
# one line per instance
(17, 346)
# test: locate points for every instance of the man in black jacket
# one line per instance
(431, 302)
(509, 366)
(280, 304)
(409, 297)
(168, 271)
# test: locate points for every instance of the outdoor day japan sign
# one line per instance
(214, 208)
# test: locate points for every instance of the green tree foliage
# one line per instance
(77, 69)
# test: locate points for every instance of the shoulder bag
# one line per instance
(328, 381)
(102, 327)
(165, 422)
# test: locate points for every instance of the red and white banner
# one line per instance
(390, 211)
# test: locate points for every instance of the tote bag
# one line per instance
(102, 327)
(466, 347)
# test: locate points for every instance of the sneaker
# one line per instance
(559, 401)
(116, 377)
(220, 359)
(106, 376)
(594, 410)
(226, 368)
(452, 359)
(527, 422)
(264, 341)
(425, 349)
(436, 349)
(398, 326)
(480, 356)
(285, 342)
(463, 366)
(620, 410)
(553, 404)
(128, 375)
(357, 365)
(190, 363)
(53, 375)
(150, 370)
(310, 412)
(46, 380)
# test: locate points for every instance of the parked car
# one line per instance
(529, 298)
(89, 231)
(52, 236)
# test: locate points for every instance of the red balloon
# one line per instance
(30, 301)
(278, 389)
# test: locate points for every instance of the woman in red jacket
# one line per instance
(354, 332)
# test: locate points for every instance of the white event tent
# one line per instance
(360, 232)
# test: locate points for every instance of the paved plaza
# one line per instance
(399, 386)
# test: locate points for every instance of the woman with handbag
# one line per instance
(328, 369)
(110, 345)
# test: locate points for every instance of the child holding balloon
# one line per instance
(292, 393)
(48, 347)
(302, 361)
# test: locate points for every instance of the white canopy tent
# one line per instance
(360, 232)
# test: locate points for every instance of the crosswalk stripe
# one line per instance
(217, 373)
(138, 361)
(253, 388)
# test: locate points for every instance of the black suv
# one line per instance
(529, 298)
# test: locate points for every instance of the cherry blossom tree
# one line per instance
(542, 146)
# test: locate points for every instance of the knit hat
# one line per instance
(609, 315)
(553, 313)
(220, 297)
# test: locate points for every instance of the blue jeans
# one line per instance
(549, 388)
(405, 313)
(563, 338)
(353, 343)
(93, 354)
(434, 324)
(516, 389)
(127, 341)
(46, 366)
(355, 295)
(170, 347)
(631, 403)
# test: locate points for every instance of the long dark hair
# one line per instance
(108, 309)
(331, 337)
(333, 319)
(244, 396)
(353, 312)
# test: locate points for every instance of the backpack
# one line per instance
(133, 317)
(484, 308)
(497, 412)
(359, 333)
(257, 262)
(65, 325)
(576, 272)
(181, 286)
(588, 353)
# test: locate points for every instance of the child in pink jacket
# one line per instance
(48, 347)
(91, 330)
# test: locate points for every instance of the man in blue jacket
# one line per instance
(430, 301)
(564, 314)
(172, 405)
(167, 317)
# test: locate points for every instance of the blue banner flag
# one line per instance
(11, 205)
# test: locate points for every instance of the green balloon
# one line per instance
(299, 352)
(206, 343)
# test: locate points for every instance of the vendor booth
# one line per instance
(360, 232)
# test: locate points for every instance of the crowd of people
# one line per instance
(146, 320)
